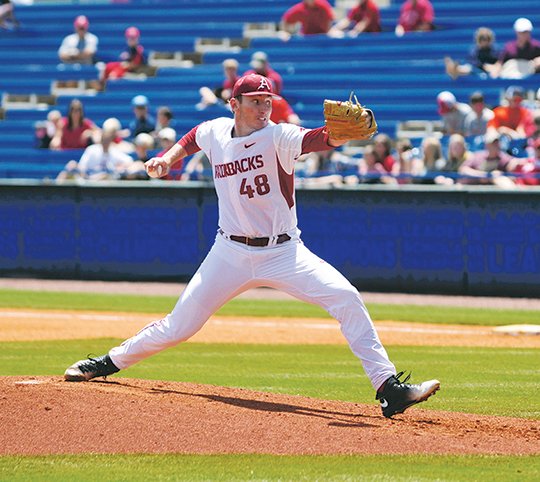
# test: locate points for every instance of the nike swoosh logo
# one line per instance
(384, 403)
(247, 146)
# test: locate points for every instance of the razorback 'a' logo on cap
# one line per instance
(264, 85)
(253, 84)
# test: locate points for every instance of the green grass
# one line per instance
(262, 308)
(495, 381)
(412, 468)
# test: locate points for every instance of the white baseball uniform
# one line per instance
(254, 181)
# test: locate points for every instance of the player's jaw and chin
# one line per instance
(251, 113)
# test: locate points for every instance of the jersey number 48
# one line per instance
(261, 186)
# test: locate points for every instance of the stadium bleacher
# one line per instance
(399, 78)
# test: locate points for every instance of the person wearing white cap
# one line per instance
(520, 57)
(79, 47)
(260, 65)
(452, 112)
(167, 138)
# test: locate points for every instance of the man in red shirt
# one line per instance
(365, 17)
(415, 15)
(513, 119)
(283, 112)
(260, 65)
(315, 16)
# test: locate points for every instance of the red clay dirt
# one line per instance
(45, 415)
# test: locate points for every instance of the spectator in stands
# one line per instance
(104, 161)
(521, 57)
(427, 169)
(482, 57)
(7, 15)
(490, 165)
(536, 133)
(143, 143)
(283, 112)
(164, 118)
(452, 112)
(457, 154)
(477, 119)
(414, 16)
(260, 65)
(529, 171)
(41, 139)
(79, 47)
(222, 92)
(167, 137)
(143, 121)
(74, 131)
(101, 161)
(382, 145)
(371, 170)
(512, 119)
(112, 125)
(45, 130)
(405, 153)
(364, 17)
(132, 59)
(314, 17)
(198, 168)
(230, 74)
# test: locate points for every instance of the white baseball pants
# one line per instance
(231, 268)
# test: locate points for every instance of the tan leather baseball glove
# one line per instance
(348, 120)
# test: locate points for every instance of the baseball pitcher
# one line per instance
(258, 242)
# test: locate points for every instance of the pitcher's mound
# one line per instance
(45, 415)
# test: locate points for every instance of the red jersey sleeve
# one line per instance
(316, 140)
(189, 142)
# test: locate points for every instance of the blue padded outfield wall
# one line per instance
(438, 240)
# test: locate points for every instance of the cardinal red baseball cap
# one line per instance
(253, 84)
(81, 21)
(132, 32)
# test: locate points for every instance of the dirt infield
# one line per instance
(49, 416)
(45, 415)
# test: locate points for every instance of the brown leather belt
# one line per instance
(259, 242)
